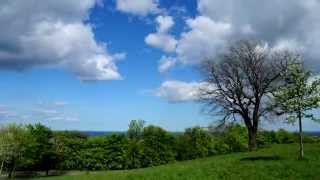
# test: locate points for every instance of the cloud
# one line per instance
(205, 39)
(284, 44)
(162, 39)
(50, 111)
(63, 118)
(138, 7)
(53, 33)
(7, 114)
(40, 111)
(179, 91)
(164, 23)
(283, 24)
(60, 103)
(166, 63)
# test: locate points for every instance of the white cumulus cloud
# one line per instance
(53, 33)
(138, 7)
(162, 39)
(166, 62)
(179, 91)
(164, 23)
(205, 39)
(282, 24)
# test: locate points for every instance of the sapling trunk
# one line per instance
(301, 152)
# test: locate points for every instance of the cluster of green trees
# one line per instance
(27, 148)
(35, 148)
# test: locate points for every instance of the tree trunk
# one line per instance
(252, 143)
(1, 167)
(10, 172)
(11, 168)
(301, 153)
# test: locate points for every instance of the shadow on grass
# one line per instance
(261, 158)
(37, 174)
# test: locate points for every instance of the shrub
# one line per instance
(266, 138)
(195, 143)
(236, 137)
(93, 155)
(117, 151)
(285, 137)
(105, 152)
(220, 146)
(36, 147)
(134, 154)
(311, 139)
(68, 146)
(158, 146)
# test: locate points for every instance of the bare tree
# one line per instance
(241, 83)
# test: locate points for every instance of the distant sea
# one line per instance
(101, 133)
(105, 133)
(313, 133)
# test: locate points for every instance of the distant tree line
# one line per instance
(35, 148)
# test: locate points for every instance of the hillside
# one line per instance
(275, 162)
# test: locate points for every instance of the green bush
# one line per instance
(68, 146)
(195, 143)
(266, 138)
(117, 151)
(135, 154)
(310, 139)
(37, 148)
(285, 137)
(220, 146)
(158, 146)
(93, 155)
(236, 137)
(105, 152)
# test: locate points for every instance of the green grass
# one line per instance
(276, 162)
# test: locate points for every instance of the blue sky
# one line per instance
(96, 65)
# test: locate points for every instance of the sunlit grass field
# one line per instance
(275, 162)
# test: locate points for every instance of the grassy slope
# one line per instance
(277, 162)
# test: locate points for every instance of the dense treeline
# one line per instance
(35, 148)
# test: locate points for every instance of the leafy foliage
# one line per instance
(298, 97)
(157, 146)
(42, 151)
(236, 138)
(68, 146)
(260, 165)
(14, 143)
(37, 148)
(195, 143)
(285, 137)
(135, 154)
(136, 129)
